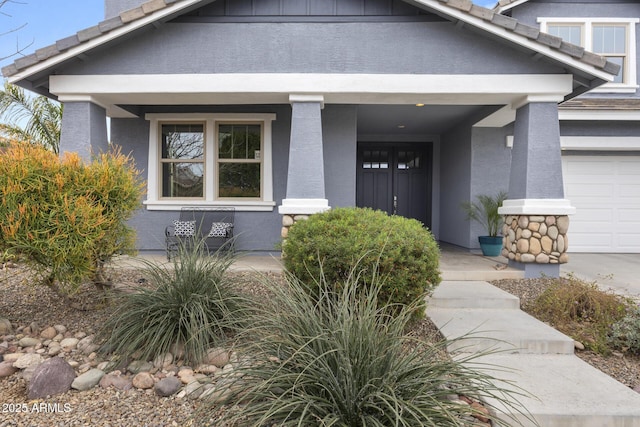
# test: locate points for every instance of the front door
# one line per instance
(395, 178)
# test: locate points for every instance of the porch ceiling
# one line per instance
(411, 119)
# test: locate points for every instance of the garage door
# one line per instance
(606, 193)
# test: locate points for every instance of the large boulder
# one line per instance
(52, 377)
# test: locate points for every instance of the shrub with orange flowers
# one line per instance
(64, 216)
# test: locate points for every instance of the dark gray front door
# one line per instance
(395, 178)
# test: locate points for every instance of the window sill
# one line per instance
(239, 205)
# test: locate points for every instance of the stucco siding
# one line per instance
(455, 185)
(530, 12)
(255, 231)
(362, 47)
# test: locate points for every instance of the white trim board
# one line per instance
(276, 88)
(594, 143)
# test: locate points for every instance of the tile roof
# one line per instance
(491, 17)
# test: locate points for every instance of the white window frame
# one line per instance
(631, 83)
(155, 201)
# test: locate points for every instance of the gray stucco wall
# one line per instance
(530, 11)
(455, 184)
(256, 231)
(360, 47)
(84, 129)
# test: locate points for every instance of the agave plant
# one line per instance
(485, 211)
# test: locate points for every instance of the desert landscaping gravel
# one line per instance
(32, 308)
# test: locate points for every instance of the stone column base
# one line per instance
(288, 220)
(540, 239)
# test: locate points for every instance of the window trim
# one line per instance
(631, 85)
(211, 121)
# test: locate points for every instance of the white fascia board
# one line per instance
(591, 115)
(501, 9)
(514, 86)
(515, 38)
(536, 207)
(105, 38)
(594, 143)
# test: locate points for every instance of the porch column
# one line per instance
(536, 213)
(84, 129)
(305, 176)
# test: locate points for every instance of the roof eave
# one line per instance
(148, 14)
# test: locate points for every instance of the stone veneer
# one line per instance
(540, 239)
(288, 220)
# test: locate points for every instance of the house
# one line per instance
(283, 108)
(599, 131)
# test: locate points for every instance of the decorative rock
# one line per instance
(533, 226)
(29, 342)
(7, 369)
(69, 344)
(86, 345)
(552, 232)
(194, 389)
(116, 381)
(547, 244)
(287, 220)
(542, 258)
(527, 258)
(163, 360)
(28, 359)
(12, 357)
(534, 246)
(138, 366)
(284, 232)
(167, 386)
(523, 221)
(543, 229)
(523, 246)
(578, 345)
(526, 233)
(218, 357)
(143, 380)
(54, 348)
(48, 333)
(564, 258)
(61, 329)
(563, 224)
(208, 369)
(52, 377)
(561, 246)
(480, 412)
(5, 326)
(88, 380)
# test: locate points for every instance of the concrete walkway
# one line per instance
(617, 272)
(564, 390)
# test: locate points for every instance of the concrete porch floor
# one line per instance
(455, 264)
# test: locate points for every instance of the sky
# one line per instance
(33, 24)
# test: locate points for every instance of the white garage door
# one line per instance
(606, 193)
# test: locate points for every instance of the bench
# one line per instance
(212, 226)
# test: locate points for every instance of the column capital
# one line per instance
(307, 98)
(303, 206)
(537, 207)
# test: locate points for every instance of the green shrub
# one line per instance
(580, 310)
(625, 333)
(399, 250)
(191, 304)
(342, 360)
(65, 217)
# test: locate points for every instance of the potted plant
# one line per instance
(485, 211)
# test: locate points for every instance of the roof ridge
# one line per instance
(87, 34)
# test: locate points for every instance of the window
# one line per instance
(210, 159)
(610, 37)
